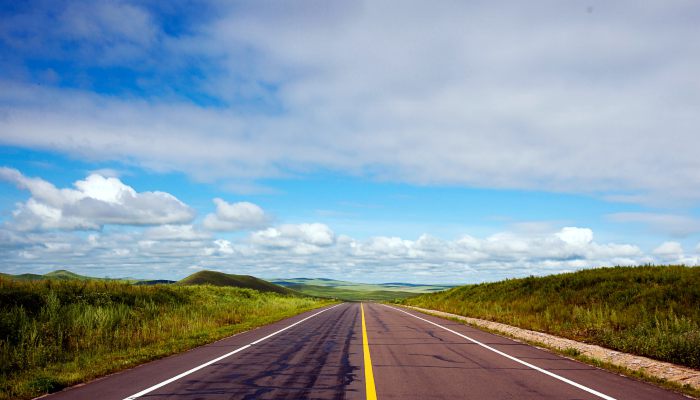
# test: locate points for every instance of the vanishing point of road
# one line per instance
(365, 351)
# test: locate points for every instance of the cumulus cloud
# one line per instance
(235, 217)
(95, 202)
(299, 239)
(670, 252)
(576, 236)
(673, 253)
(432, 97)
(669, 249)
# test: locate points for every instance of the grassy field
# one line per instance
(57, 333)
(351, 294)
(649, 311)
(357, 291)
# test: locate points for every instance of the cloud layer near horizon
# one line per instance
(558, 96)
(89, 242)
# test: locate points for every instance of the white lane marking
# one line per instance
(544, 371)
(208, 363)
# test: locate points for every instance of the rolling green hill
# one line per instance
(63, 274)
(215, 278)
(23, 277)
(652, 311)
(60, 274)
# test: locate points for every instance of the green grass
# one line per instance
(215, 278)
(649, 311)
(58, 333)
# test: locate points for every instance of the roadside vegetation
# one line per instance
(652, 311)
(56, 333)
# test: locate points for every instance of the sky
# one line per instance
(378, 141)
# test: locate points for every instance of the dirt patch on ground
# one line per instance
(658, 369)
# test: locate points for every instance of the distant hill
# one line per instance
(320, 287)
(23, 277)
(311, 281)
(345, 285)
(155, 282)
(63, 274)
(345, 290)
(243, 281)
(60, 274)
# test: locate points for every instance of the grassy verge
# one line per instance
(649, 311)
(56, 334)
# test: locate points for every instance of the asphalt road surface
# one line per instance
(369, 351)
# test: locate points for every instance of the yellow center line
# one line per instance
(369, 377)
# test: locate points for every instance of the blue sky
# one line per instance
(371, 141)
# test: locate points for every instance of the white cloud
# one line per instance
(673, 253)
(576, 236)
(669, 249)
(299, 239)
(672, 224)
(223, 247)
(464, 93)
(95, 202)
(388, 247)
(175, 232)
(235, 217)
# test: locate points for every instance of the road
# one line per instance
(324, 354)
